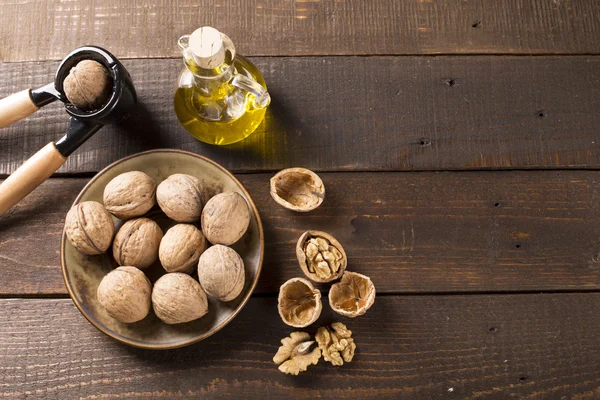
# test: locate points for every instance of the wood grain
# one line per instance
(34, 30)
(361, 113)
(410, 232)
(468, 347)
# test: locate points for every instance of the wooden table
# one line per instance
(460, 145)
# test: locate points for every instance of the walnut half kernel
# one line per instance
(320, 256)
(336, 343)
(296, 353)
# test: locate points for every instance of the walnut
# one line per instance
(225, 218)
(221, 272)
(297, 189)
(299, 303)
(295, 354)
(136, 243)
(89, 227)
(131, 194)
(180, 197)
(178, 298)
(353, 295)
(125, 294)
(181, 248)
(321, 257)
(335, 343)
(88, 85)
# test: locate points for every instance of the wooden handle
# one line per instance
(29, 176)
(15, 107)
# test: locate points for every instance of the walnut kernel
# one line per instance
(336, 343)
(89, 228)
(295, 354)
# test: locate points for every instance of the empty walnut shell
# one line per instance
(89, 228)
(320, 256)
(137, 242)
(299, 303)
(180, 197)
(181, 248)
(125, 294)
(353, 295)
(297, 189)
(221, 272)
(129, 195)
(178, 298)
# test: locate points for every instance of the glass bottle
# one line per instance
(221, 97)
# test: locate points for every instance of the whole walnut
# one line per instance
(131, 194)
(221, 272)
(136, 243)
(180, 197)
(225, 218)
(88, 85)
(178, 298)
(181, 248)
(89, 227)
(125, 294)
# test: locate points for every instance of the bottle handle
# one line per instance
(261, 96)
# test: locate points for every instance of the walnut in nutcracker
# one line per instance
(88, 85)
(125, 294)
(130, 195)
(137, 242)
(180, 197)
(178, 298)
(89, 228)
(181, 247)
(221, 272)
(225, 218)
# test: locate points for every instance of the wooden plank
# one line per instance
(34, 30)
(358, 113)
(410, 232)
(469, 347)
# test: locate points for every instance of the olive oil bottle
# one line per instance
(221, 97)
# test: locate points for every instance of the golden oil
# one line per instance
(221, 97)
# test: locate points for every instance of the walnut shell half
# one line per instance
(137, 243)
(89, 227)
(299, 303)
(131, 194)
(178, 298)
(353, 295)
(297, 189)
(320, 256)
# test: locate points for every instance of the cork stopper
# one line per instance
(206, 45)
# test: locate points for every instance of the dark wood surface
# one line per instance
(284, 27)
(426, 347)
(365, 113)
(410, 232)
(461, 160)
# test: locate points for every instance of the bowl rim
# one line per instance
(222, 324)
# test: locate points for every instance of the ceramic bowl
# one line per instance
(83, 273)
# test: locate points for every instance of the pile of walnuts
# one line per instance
(126, 293)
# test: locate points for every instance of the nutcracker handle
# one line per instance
(24, 103)
(29, 176)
